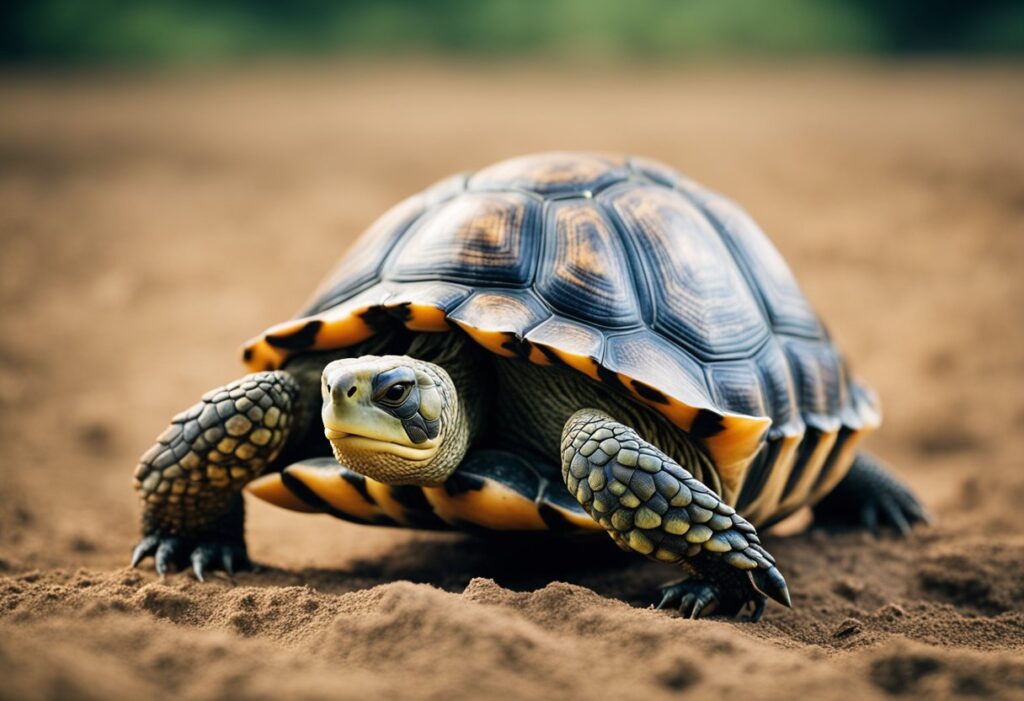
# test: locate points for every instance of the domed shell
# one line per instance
(629, 273)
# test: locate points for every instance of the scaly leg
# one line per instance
(190, 481)
(649, 504)
(869, 495)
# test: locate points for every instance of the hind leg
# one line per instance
(650, 504)
(869, 495)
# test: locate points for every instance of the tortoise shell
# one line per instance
(631, 274)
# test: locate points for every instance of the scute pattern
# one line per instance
(784, 302)
(477, 238)
(817, 374)
(656, 362)
(777, 382)
(585, 273)
(553, 174)
(737, 387)
(632, 274)
(700, 298)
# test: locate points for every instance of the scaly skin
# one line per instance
(190, 480)
(649, 504)
(871, 496)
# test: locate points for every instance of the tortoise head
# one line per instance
(394, 419)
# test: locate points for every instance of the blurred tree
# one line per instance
(193, 30)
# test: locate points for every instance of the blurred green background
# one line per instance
(168, 31)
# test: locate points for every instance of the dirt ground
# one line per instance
(151, 223)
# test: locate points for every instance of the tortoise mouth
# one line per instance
(349, 443)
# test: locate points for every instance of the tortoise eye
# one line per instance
(395, 394)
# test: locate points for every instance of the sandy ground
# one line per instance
(149, 224)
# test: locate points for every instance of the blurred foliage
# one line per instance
(63, 31)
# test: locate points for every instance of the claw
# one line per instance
(166, 555)
(200, 561)
(922, 514)
(146, 547)
(759, 607)
(771, 583)
(702, 604)
(234, 559)
(666, 598)
(227, 560)
(699, 598)
(914, 511)
(869, 516)
(776, 587)
(894, 513)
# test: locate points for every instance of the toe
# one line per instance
(686, 605)
(167, 555)
(705, 604)
(759, 606)
(869, 516)
(912, 508)
(894, 515)
(918, 514)
(234, 559)
(146, 547)
(201, 559)
(671, 593)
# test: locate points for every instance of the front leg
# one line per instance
(190, 480)
(649, 504)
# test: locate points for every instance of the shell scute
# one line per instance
(761, 262)
(701, 300)
(553, 173)
(585, 273)
(478, 238)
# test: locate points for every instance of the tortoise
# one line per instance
(563, 342)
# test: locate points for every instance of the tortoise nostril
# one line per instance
(342, 386)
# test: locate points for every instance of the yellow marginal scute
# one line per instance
(381, 494)
(578, 519)
(494, 506)
(583, 363)
(734, 448)
(337, 330)
(343, 331)
(537, 357)
(682, 415)
(329, 486)
(425, 317)
(271, 489)
(259, 355)
(491, 340)
(841, 466)
(767, 502)
(801, 490)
